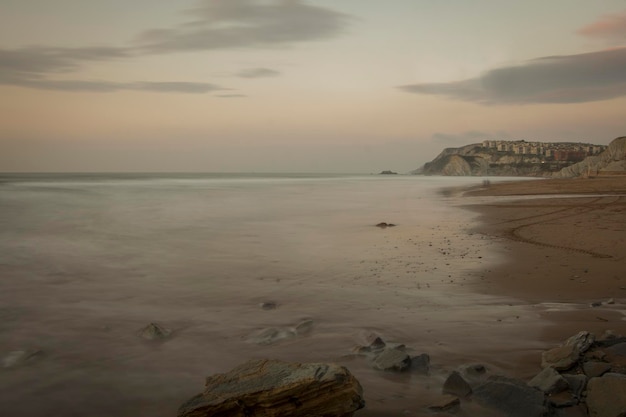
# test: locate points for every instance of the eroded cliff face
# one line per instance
(610, 162)
(477, 160)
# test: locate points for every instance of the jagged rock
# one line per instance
(564, 357)
(593, 369)
(269, 388)
(549, 381)
(20, 357)
(420, 364)
(445, 403)
(456, 385)
(581, 341)
(391, 360)
(154, 331)
(511, 397)
(606, 397)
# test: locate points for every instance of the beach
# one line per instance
(88, 262)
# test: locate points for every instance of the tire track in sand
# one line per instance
(593, 205)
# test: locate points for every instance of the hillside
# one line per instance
(612, 161)
(509, 158)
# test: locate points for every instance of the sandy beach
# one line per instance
(565, 249)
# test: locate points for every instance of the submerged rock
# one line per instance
(269, 388)
(20, 357)
(456, 385)
(154, 331)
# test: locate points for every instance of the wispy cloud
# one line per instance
(258, 73)
(213, 25)
(245, 24)
(556, 79)
(610, 27)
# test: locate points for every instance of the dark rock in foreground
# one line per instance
(269, 388)
(512, 397)
(606, 396)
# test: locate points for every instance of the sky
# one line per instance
(348, 86)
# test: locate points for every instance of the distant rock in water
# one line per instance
(388, 173)
(610, 162)
(154, 331)
(384, 225)
(267, 388)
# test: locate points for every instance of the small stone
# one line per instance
(19, 357)
(596, 304)
(304, 327)
(610, 301)
(456, 385)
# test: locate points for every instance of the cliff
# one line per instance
(610, 162)
(509, 158)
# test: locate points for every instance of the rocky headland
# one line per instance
(530, 159)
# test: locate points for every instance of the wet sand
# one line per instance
(565, 249)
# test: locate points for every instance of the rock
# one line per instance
(594, 369)
(392, 360)
(577, 384)
(445, 403)
(595, 304)
(269, 388)
(575, 411)
(271, 335)
(377, 344)
(388, 172)
(581, 341)
(511, 397)
(474, 369)
(456, 385)
(304, 327)
(268, 305)
(420, 364)
(562, 400)
(154, 331)
(20, 357)
(560, 358)
(606, 397)
(549, 381)
(384, 225)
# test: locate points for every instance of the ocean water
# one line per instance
(88, 260)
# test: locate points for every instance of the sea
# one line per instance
(234, 267)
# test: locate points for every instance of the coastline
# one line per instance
(564, 250)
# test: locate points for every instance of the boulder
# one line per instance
(606, 397)
(560, 358)
(270, 388)
(456, 385)
(511, 397)
(390, 359)
(420, 364)
(593, 369)
(549, 381)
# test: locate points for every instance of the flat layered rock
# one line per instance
(270, 388)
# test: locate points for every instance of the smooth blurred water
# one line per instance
(86, 260)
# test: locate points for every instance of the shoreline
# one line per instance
(564, 250)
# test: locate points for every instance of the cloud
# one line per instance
(610, 27)
(245, 24)
(258, 73)
(557, 79)
(215, 25)
(109, 87)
